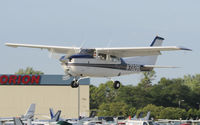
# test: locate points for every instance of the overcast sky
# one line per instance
(100, 23)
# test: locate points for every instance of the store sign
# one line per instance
(54, 80)
(20, 79)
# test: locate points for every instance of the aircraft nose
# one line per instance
(63, 59)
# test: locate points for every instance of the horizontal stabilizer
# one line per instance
(157, 66)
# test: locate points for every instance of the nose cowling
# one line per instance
(63, 59)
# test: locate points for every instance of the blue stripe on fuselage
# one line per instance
(80, 56)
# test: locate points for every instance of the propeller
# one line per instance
(54, 55)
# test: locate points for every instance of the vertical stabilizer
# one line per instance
(51, 113)
(17, 121)
(56, 117)
(146, 60)
(147, 116)
(157, 41)
(30, 112)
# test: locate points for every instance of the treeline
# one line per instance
(169, 98)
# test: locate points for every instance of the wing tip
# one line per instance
(11, 45)
(187, 49)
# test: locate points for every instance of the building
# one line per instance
(46, 91)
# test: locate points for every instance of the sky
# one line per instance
(99, 23)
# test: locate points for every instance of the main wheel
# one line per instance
(74, 84)
(116, 84)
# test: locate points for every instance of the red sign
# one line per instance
(19, 79)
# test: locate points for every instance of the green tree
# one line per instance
(28, 71)
(173, 113)
(113, 109)
(147, 79)
(192, 81)
(105, 93)
(93, 99)
(155, 110)
(168, 93)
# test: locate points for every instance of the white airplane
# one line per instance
(106, 62)
(28, 115)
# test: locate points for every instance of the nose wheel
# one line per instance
(74, 84)
(116, 84)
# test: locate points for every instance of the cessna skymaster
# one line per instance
(82, 63)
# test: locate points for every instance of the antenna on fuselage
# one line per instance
(108, 45)
(83, 43)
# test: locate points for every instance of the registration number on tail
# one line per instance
(133, 67)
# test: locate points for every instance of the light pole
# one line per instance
(179, 102)
(79, 102)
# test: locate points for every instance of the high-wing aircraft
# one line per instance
(106, 62)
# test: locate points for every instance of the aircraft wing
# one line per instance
(53, 49)
(6, 119)
(138, 51)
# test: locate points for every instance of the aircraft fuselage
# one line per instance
(97, 67)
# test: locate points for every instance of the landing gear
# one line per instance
(116, 84)
(74, 84)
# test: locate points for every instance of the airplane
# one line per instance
(140, 116)
(81, 63)
(28, 115)
(17, 121)
(54, 119)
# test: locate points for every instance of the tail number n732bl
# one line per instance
(133, 67)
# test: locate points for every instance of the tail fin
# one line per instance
(51, 113)
(157, 41)
(17, 121)
(146, 60)
(92, 114)
(140, 114)
(56, 117)
(151, 60)
(134, 117)
(147, 116)
(30, 112)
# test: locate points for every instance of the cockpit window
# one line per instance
(114, 58)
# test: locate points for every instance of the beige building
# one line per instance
(16, 99)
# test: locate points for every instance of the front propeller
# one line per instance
(64, 59)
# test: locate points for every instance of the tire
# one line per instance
(116, 84)
(74, 84)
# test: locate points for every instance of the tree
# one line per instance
(113, 109)
(162, 99)
(93, 99)
(192, 81)
(28, 71)
(168, 93)
(105, 93)
(147, 79)
(173, 113)
(155, 110)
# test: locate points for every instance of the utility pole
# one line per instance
(179, 103)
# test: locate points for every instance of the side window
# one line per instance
(102, 56)
(114, 58)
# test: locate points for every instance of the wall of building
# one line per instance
(16, 99)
